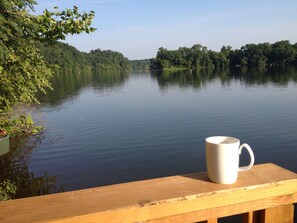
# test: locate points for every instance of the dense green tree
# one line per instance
(64, 58)
(107, 60)
(279, 53)
(283, 52)
(183, 58)
(255, 54)
(23, 70)
(140, 64)
(295, 49)
(220, 59)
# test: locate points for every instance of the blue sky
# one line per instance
(137, 28)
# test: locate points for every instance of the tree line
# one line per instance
(64, 58)
(68, 59)
(198, 56)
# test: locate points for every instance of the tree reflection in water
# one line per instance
(261, 75)
(14, 167)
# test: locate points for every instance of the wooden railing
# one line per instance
(265, 194)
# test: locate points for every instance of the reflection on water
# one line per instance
(253, 76)
(67, 86)
(14, 166)
(116, 127)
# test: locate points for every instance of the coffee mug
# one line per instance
(222, 158)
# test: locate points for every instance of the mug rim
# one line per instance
(216, 140)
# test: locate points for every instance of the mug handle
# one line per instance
(245, 168)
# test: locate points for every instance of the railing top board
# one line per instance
(155, 198)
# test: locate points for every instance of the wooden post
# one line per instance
(280, 214)
(250, 217)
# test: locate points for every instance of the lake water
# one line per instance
(112, 127)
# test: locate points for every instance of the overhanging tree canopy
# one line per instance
(23, 71)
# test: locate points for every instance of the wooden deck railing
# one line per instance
(264, 194)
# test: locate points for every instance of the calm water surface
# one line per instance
(110, 128)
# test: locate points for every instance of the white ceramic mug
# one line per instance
(222, 158)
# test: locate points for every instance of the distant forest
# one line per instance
(66, 58)
(198, 56)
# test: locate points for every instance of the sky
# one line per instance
(138, 28)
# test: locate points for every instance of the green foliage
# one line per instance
(64, 58)
(53, 26)
(107, 60)
(67, 59)
(279, 53)
(140, 64)
(188, 58)
(17, 124)
(7, 189)
(23, 71)
(23, 75)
